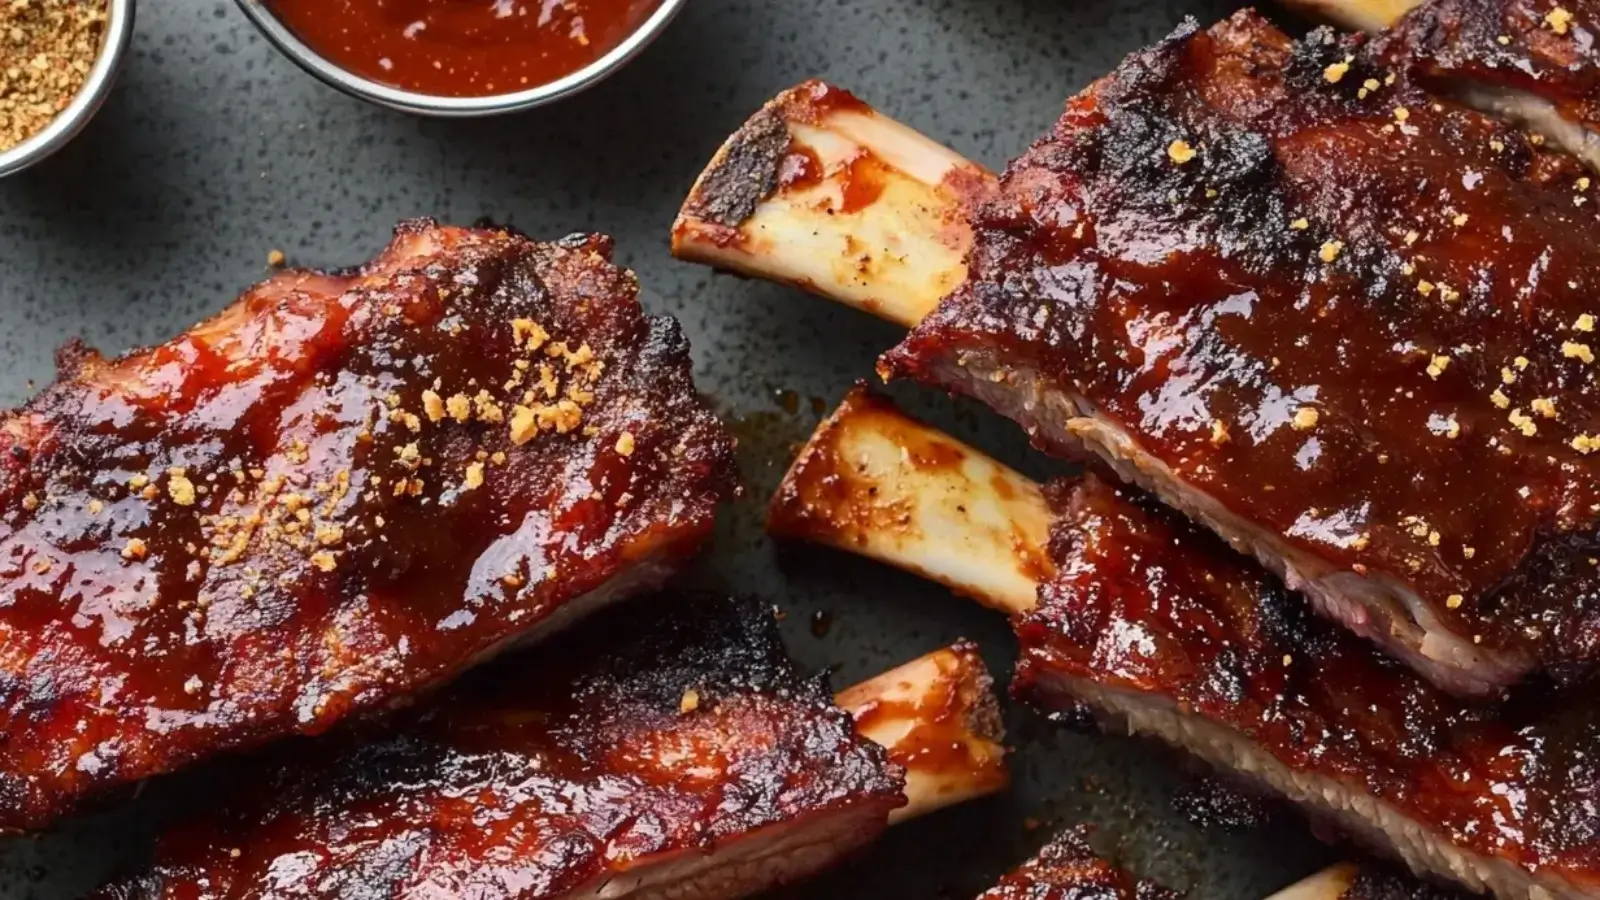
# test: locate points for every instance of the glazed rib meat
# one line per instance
(655, 754)
(1342, 321)
(1532, 62)
(344, 488)
(1066, 869)
(1163, 629)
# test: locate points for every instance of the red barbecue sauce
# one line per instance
(463, 48)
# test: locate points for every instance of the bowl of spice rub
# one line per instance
(448, 58)
(58, 60)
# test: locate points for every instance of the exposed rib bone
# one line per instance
(875, 482)
(1329, 884)
(938, 718)
(823, 192)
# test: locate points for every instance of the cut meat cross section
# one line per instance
(344, 488)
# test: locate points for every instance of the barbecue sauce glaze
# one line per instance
(463, 48)
(664, 729)
(344, 487)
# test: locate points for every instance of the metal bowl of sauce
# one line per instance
(461, 57)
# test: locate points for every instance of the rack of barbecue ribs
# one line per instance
(652, 755)
(1346, 323)
(1126, 608)
(344, 488)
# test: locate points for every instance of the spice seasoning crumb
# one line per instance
(50, 46)
(1180, 151)
(1219, 433)
(523, 426)
(180, 489)
(433, 405)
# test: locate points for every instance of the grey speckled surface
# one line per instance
(214, 150)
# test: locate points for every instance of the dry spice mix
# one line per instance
(47, 48)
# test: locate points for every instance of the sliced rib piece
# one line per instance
(653, 755)
(1532, 62)
(821, 191)
(1346, 327)
(344, 488)
(1357, 15)
(1160, 626)
(1347, 332)
(1066, 869)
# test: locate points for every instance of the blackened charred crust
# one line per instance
(342, 489)
(1543, 49)
(670, 727)
(984, 719)
(1067, 869)
(1150, 608)
(748, 168)
(1380, 882)
(745, 171)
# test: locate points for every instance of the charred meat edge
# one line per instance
(1516, 105)
(945, 697)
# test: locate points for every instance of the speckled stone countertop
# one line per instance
(215, 150)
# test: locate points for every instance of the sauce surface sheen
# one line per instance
(463, 48)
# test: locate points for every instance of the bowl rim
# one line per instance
(307, 58)
(96, 87)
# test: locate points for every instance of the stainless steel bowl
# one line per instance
(429, 105)
(114, 47)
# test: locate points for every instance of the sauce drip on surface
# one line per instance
(463, 48)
